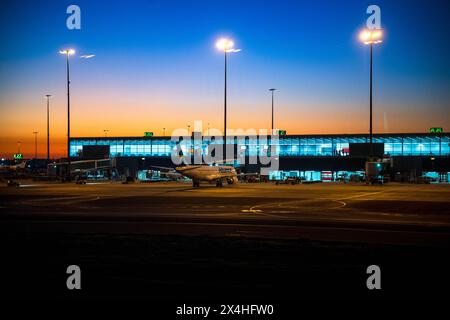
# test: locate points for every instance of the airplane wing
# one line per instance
(164, 168)
(224, 161)
(248, 174)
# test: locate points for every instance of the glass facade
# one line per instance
(315, 175)
(320, 145)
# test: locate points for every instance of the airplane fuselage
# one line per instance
(208, 173)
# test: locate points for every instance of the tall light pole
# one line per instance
(35, 143)
(18, 146)
(68, 53)
(164, 132)
(48, 125)
(225, 45)
(371, 37)
(189, 129)
(106, 132)
(272, 90)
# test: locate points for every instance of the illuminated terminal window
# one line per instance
(324, 146)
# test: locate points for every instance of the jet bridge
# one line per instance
(59, 169)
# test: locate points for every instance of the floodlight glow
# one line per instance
(67, 51)
(371, 36)
(225, 44)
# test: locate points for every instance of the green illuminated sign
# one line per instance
(148, 134)
(436, 130)
(282, 132)
(18, 156)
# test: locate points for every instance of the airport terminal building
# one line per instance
(310, 157)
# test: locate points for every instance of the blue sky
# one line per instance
(156, 60)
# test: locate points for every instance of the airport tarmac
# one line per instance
(393, 212)
(246, 241)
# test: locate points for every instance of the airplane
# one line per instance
(219, 174)
(12, 168)
(198, 173)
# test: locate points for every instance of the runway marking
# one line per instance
(361, 195)
(343, 203)
(29, 185)
(285, 204)
(66, 200)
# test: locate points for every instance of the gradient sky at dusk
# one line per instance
(156, 66)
